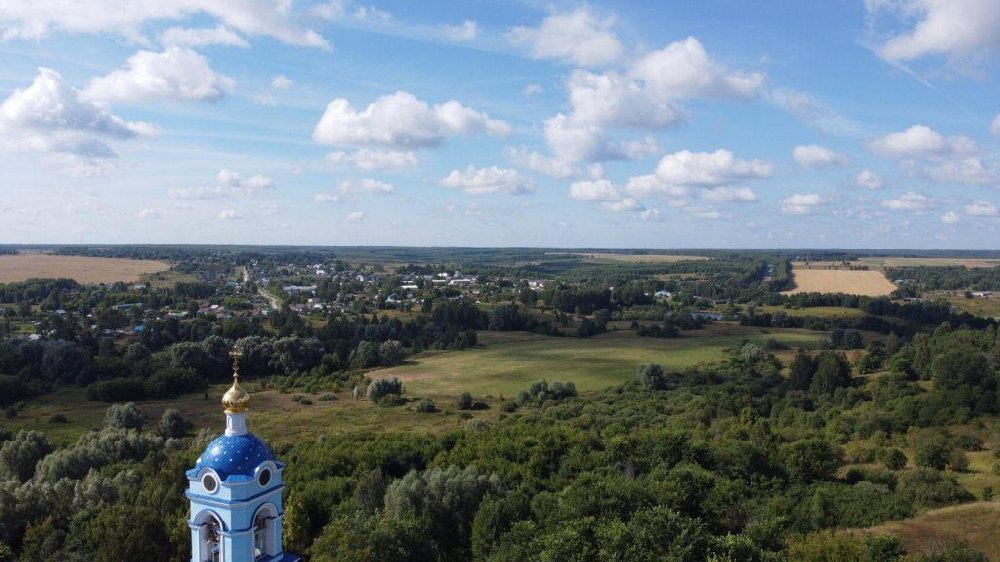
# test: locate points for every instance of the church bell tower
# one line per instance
(235, 491)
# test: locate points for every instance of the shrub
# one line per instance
(477, 424)
(124, 416)
(379, 388)
(958, 461)
(327, 397)
(933, 452)
(510, 407)
(390, 401)
(426, 406)
(651, 377)
(117, 390)
(893, 458)
(465, 401)
(173, 424)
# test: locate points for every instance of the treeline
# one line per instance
(950, 278)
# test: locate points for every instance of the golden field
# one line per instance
(82, 269)
(853, 282)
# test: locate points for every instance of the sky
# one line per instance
(651, 124)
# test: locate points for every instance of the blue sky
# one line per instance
(715, 123)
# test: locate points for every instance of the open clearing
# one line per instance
(82, 269)
(976, 523)
(853, 282)
(632, 258)
(508, 363)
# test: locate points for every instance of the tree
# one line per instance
(380, 388)
(465, 401)
(391, 353)
(802, 370)
(19, 456)
(124, 416)
(173, 424)
(809, 460)
(651, 377)
(933, 452)
(832, 372)
(894, 459)
(366, 355)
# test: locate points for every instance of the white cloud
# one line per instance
(646, 96)
(869, 180)
(801, 203)
(531, 89)
(148, 214)
(365, 13)
(228, 184)
(368, 159)
(981, 209)
(966, 170)
(708, 169)
(598, 190)
(705, 213)
(175, 74)
(626, 204)
(577, 37)
(811, 112)
(479, 181)
(356, 216)
(909, 201)
(466, 31)
(52, 117)
(229, 215)
(33, 19)
(650, 215)
(951, 217)
(995, 126)
(401, 120)
(726, 194)
(540, 163)
(281, 82)
(920, 141)
(202, 36)
(349, 190)
(812, 156)
(957, 28)
(649, 184)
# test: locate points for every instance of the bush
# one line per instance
(540, 391)
(390, 401)
(893, 458)
(830, 546)
(465, 401)
(958, 461)
(933, 452)
(327, 397)
(117, 390)
(124, 416)
(58, 418)
(651, 377)
(426, 406)
(954, 552)
(379, 388)
(173, 424)
(510, 407)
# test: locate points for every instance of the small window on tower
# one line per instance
(264, 477)
(210, 483)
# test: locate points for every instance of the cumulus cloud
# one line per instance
(230, 215)
(624, 204)
(951, 217)
(466, 31)
(646, 95)
(597, 190)
(726, 194)
(981, 209)
(227, 184)
(920, 141)
(709, 173)
(537, 162)
(368, 159)
(868, 179)
(281, 82)
(356, 216)
(801, 203)
(401, 120)
(577, 37)
(349, 190)
(966, 170)
(175, 74)
(812, 156)
(480, 181)
(52, 117)
(32, 19)
(956, 28)
(909, 201)
(202, 36)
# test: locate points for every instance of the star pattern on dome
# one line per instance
(236, 455)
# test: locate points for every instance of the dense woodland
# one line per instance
(742, 459)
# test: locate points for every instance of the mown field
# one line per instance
(854, 282)
(502, 365)
(79, 268)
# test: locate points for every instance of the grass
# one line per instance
(502, 365)
(825, 312)
(975, 523)
(508, 363)
(82, 269)
(987, 307)
(166, 279)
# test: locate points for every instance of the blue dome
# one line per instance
(236, 455)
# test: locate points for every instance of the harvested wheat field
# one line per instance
(860, 282)
(933, 262)
(82, 269)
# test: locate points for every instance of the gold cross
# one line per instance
(236, 354)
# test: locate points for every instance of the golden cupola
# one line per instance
(235, 400)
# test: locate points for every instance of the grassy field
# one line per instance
(988, 307)
(854, 282)
(504, 364)
(82, 269)
(915, 262)
(166, 279)
(632, 258)
(826, 312)
(507, 363)
(978, 524)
